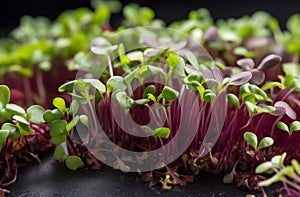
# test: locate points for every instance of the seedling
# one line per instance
(251, 139)
(244, 50)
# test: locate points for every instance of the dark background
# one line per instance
(12, 10)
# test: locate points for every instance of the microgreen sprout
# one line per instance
(255, 64)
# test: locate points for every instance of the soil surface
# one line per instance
(53, 179)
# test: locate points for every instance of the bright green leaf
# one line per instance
(24, 129)
(271, 84)
(149, 89)
(60, 104)
(173, 60)
(123, 58)
(169, 93)
(163, 132)
(74, 162)
(151, 97)
(59, 153)
(296, 166)
(5, 96)
(72, 123)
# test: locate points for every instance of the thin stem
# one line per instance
(110, 67)
(292, 184)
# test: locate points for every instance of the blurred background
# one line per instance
(12, 10)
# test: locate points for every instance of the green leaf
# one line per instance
(251, 107)
(74, 162)
(208, 95)
(244, 52)
(282, 126)
(60, 104)
(278, 160)
(51, 115)
(115, 83)
(150, 89)
(173, 60)
(15, 109)
(193, 60)
(271, 84)
(266, 109)
(68, 86)
(296, 166)
(258, 92)
(163, 132)
(104, 49)
(20, 119)
(294, 126)
(3, 135)
(136, 56)
(5, 115)
(123, 58)
(233, 100)
(35, 114)
(263, 167)
(291, 69)
(277, 177)
(281, 162)
(5, 96)
(72, 123)
(151, 97)
(13, 131)
(96, 84)
(58, 139)
(141, 101)
(58, 127)
(251, 139)
(265, 142)
(74, 106)
(84, 120)
(123, 100)
(24, 129)
(169, 93)
(59, 153)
